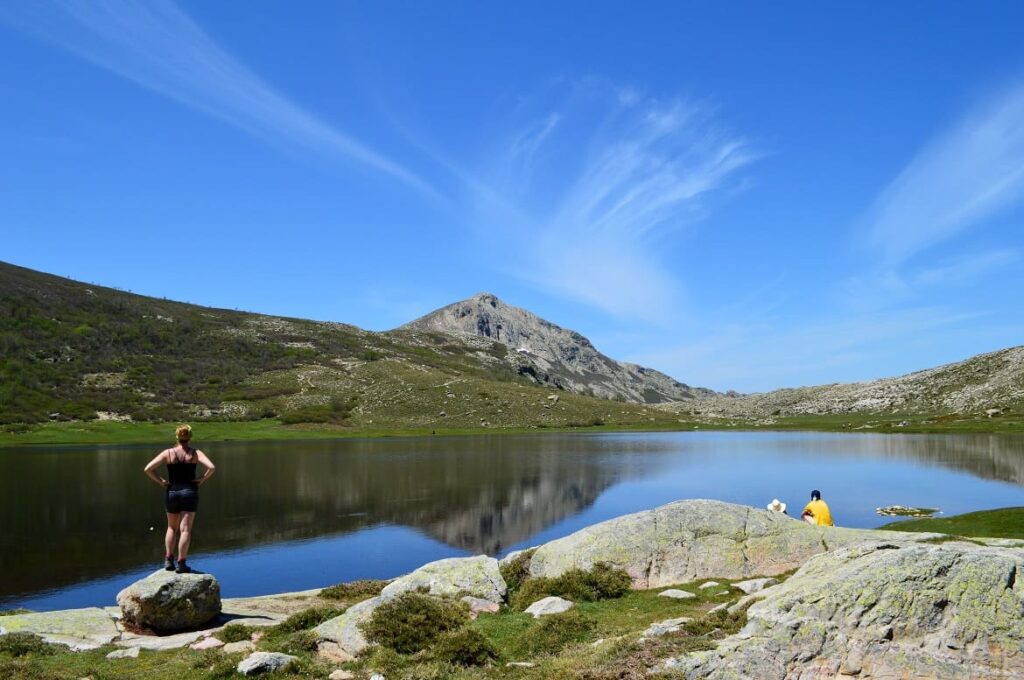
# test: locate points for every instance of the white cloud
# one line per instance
(588, 190)
(956, 181)
(159, 47)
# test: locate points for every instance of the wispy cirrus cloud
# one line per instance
(588, 189)
(156, 45)
(956, 181)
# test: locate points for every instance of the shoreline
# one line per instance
(121, 433)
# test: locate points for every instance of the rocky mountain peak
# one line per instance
(550, 354)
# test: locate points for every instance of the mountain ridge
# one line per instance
(552, 355)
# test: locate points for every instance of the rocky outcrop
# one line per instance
(984, 385)
(689, 540)
(552, 355)
(77, 629)
(167, 602)
(882, 610)
(477, 577)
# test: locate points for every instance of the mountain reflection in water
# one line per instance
(76, 516)
(82, 513)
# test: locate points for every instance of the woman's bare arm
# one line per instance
(151, 467)
(208, 464)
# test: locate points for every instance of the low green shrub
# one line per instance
(465, 647)
(551, 634)
(517, 570)
(386, 661)
(234, 632)
(23, 644)
(602, 582)
(354, 590)
(14, 612)
(298, 642)
(413, 621)
(215, 665)
(308, 618)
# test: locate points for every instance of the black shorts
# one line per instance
(182, 499)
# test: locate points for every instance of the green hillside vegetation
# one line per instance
(75, 353)
(87, 364)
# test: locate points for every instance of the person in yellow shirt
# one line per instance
(817, 512)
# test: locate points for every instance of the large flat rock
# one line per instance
(882, 611)
(695, 539)
(79, 629)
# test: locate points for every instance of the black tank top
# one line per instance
(181, 474)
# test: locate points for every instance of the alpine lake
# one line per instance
(80, 523)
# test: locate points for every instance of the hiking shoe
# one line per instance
(169, 564)
(182, 568)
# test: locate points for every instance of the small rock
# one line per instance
(130, 653)
(207, 643)
(755, 584)
(718, 608)
(598, 642)
(664, 627)
(676, 593)
(479, 606)
(377, 676)
(264, 662)
(239, 647)
(547, 606)
(709, 584)
(341, 675)
(520, 664)
(332, 652)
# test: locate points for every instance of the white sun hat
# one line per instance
(777, 505)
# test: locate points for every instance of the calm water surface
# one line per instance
(78, 524)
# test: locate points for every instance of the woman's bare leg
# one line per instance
(187, 518)
(170, 538)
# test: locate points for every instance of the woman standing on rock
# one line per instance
(182, 494)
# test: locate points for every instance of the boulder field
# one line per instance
(861, 603)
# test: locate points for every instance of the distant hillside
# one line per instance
(73, 351)
(552, 355)
(984, 385)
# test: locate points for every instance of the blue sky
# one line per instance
(744, 195)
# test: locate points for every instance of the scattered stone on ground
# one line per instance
(168, 602)
(547, 606)
(696, 539)
(676, 594)
(377, 676)
(265, 662)
(332, 652)
(209, 642)
(755, 584)
(160, 642)
(718, 608)
(709, 584)
(520, 664)
(341, 675)
(130, 653)
(239, 647)
(884, 611)
(478, 606)
(664, 627)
